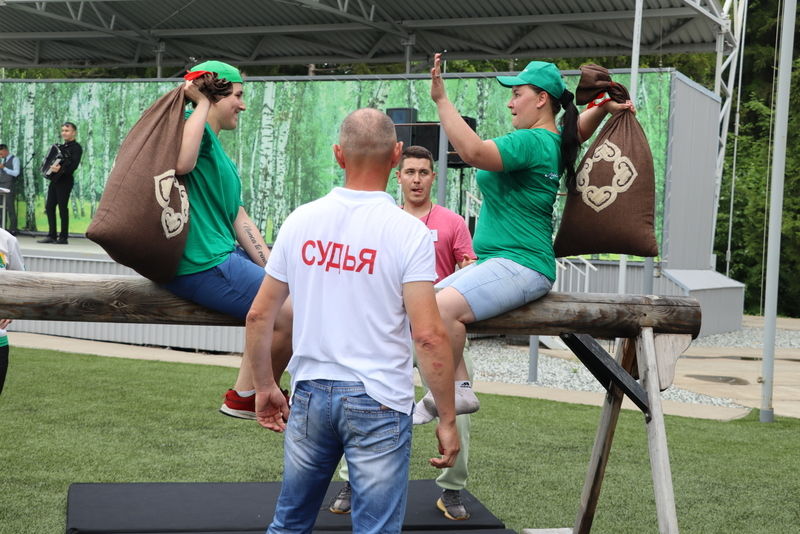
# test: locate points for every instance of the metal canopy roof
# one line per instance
(136, 33)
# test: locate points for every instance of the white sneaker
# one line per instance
(466, 402)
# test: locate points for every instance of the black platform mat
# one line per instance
(240, 508)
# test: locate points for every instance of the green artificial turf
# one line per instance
(68, 418)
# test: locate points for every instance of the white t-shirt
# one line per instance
(346, 257)
(10, 257)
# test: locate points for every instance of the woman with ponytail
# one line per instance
(519, 175)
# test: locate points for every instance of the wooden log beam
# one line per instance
(98, 298)
(132, 299)
(603, 315)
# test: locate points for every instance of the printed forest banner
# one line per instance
(282, 146)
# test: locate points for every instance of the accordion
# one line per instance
(54, 157)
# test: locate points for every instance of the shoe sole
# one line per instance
(440, 505)
(238, 414)
(338, 511)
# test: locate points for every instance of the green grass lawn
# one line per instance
(79, 216)
(68, 418)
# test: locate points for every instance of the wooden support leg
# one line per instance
(626, 355)
(657, 434)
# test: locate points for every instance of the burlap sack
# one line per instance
(611, 208)
(143, 217)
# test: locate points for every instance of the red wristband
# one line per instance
(598, 101)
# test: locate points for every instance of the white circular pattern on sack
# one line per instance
(172, 222)
(599, 198)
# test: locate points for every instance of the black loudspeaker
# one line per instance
(403, 118)
(426, 134)
(454, 161)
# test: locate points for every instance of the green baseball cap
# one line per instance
(223, 70)
(539, 73)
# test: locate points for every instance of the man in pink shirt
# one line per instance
(451, 237)
(453, 245)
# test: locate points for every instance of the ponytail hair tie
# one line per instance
(566, 99)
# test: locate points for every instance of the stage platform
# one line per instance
(240, 508)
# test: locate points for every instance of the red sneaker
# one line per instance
(238, 406)
(242, 407)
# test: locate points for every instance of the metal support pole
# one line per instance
(776, 206)
(738, 62)
(647, 274)
(441, 192)
(720, 49)
(408, 43)
(635, 45)
(637, 39)
(160, 47)
(533, 359)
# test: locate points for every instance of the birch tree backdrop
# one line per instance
(283, 144)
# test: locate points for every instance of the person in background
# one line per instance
(62, 180)
(9, 174)
(11, 259)
(361, 273)
(453, 246)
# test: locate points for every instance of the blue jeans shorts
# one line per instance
(496, 286)
(230, 287)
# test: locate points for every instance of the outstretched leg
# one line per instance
(456, 315)
(281, 350)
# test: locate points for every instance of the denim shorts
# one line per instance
(496, 286)
(230, 287)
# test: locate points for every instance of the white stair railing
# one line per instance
(573, 274)
(472, 207)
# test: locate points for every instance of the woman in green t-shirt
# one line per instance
(223, 262)
(519, 176)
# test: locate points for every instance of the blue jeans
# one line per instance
(328, 418)
(230, 287)
(497, 285)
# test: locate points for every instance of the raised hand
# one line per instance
(437, 85)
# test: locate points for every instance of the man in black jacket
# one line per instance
(61, 182)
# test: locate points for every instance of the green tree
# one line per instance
(753, 170)
(750, 207)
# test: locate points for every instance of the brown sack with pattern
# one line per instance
(611, 209)
(143, 217)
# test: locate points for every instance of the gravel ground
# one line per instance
(752, 338)
(496, 361)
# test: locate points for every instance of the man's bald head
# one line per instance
(367, 134)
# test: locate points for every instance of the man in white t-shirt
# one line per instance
(360, 273)
(453, 245)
